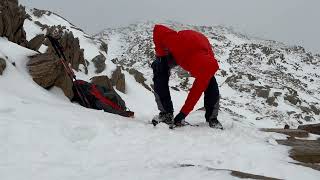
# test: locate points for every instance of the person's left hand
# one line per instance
(179, 117)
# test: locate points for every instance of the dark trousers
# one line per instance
(161, 74)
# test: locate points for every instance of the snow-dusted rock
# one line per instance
(2, 65)
(12, 17)
(312, 128)
(72, 50)
(103, 81)
(104, 47)
(118, 80)
(36, 42)
(138, 76)
(47, 71)
(99, 63)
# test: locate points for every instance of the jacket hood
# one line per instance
(163, 31)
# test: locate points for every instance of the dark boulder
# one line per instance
(47, 71)
(271, 101)
(99, 63)
(118, 80)
(103, 81)
(3, 65)
(262, 91)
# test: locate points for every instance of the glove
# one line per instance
(181, 116)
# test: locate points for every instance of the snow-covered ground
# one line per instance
(44, 136)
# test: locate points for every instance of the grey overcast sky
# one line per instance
(290, 21)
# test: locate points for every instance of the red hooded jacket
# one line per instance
(192, 51)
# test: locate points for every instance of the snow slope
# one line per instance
(44, 136)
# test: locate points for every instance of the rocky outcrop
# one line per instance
(36, 42)
(12, 17)
(99, 63)
(47, 70)
(3, 65)
(118, 80)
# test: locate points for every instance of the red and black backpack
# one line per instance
(101, 98)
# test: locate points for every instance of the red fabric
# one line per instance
(103, 99)
(192, 51)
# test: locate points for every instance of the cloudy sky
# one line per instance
(290, 21)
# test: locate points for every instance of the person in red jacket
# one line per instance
(192, 51)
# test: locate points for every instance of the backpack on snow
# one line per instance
(100, 98)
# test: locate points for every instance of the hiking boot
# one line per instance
(214, 123)
(164, 117)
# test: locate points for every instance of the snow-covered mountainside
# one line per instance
(44, 136)
(259, 80)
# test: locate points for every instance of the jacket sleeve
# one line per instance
(158, 42)
(198, 87)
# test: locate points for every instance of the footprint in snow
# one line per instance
(80, 134)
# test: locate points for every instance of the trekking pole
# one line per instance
(59, 51)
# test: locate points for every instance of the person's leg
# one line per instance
(161, 74)
(211, 101)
